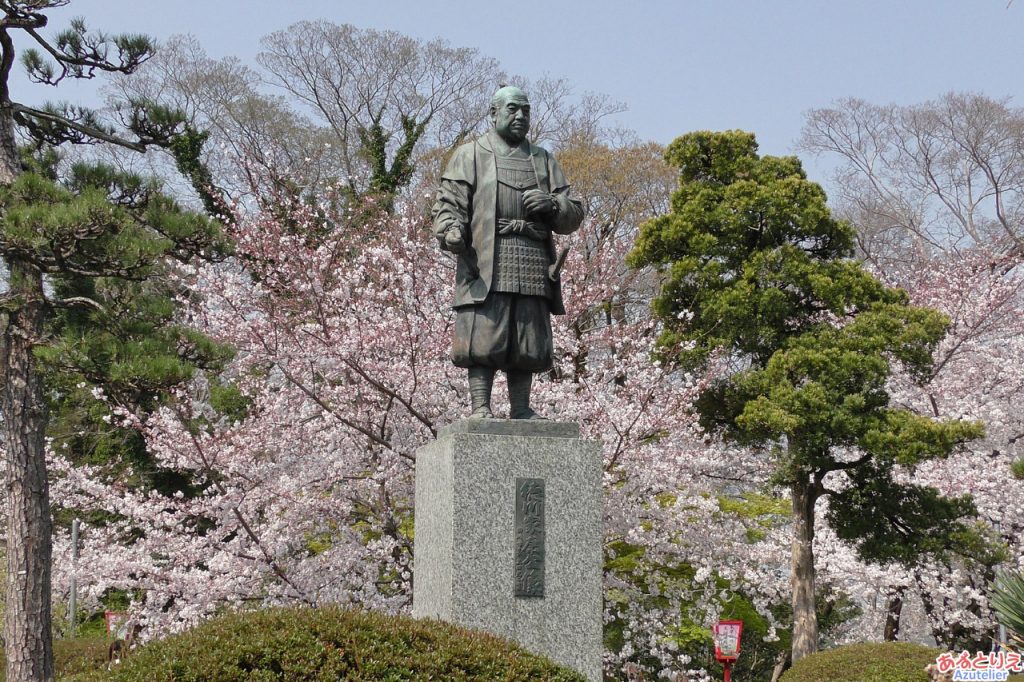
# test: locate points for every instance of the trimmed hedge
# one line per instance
(871, 662)
(330, 644)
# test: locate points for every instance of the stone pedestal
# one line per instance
(509, 536)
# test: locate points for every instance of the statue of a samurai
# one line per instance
(500, 200)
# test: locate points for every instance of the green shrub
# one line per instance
(878, 662)
(330, 644)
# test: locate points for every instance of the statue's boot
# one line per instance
(481, 379)
(519, 384)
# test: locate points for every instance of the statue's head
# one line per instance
(510, 114)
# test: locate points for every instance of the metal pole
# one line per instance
(73, 599)
(728, 671)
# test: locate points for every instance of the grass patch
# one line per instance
(72, 656)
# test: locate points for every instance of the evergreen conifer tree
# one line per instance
(758, 273)
(82, 258)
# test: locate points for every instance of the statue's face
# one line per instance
(512, 119)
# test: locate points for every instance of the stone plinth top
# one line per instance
(537, 428)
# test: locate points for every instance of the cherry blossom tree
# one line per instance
(934, 191)
(976, 377)
(301, 457)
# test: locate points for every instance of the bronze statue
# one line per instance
(500, 200)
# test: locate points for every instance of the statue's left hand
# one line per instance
(538, 203)
(453, 240)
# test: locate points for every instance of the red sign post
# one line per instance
(727, 643)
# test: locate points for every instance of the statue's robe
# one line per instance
(503, 305)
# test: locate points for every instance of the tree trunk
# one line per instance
(10, 160)
(27, 629)
(27, 625)
(894, 609)
(781, 666)
(801, 575)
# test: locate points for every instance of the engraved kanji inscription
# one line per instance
(529, 557)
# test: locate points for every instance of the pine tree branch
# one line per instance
(89, 131)
(21, 19)
(78, 300)
(92, 55)
(56, 263)
(63, 58)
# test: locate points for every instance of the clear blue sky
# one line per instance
(678, 65)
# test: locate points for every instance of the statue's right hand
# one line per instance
(453, 240)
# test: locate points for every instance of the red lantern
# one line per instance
(727, 643)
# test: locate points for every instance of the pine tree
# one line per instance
(757, 273)
(98, 240)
